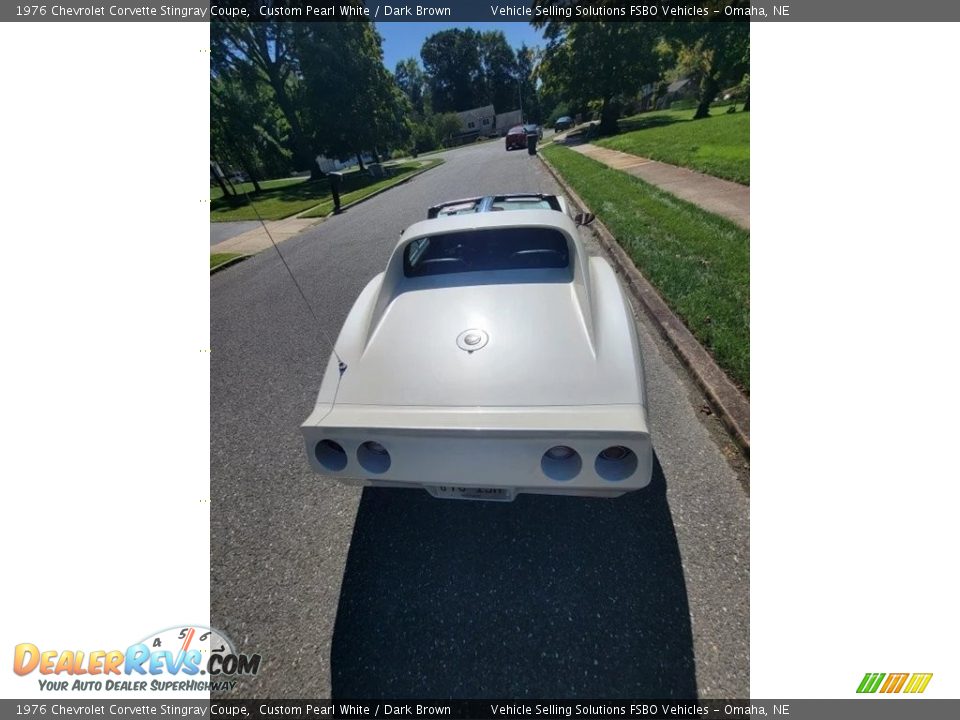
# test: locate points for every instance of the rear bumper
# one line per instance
(483, 447)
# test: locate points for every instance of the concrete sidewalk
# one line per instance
(721, 197)
(255, 240)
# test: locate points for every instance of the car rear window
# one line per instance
(520, 204)
(486, 250)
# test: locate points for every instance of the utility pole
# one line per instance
(520, 95)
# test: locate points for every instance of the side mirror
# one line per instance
(584, 218)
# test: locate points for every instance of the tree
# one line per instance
(499, 71)
(446, 126)
(718, 51)
(352, 101)
(600, 62)
(452, 62)
(412, 81)
(527, 62)
(268, 48)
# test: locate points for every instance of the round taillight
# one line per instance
(561, 463)
(616, 463)
(560, 452)
(615, 452)
(375, 447)
(331, 455)
(373, 457)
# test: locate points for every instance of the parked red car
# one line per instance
(517, 138)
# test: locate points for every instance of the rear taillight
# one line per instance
(373, 457)
(616, 463)
(561, 463)
(331, 455)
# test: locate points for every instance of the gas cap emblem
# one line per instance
(472, 339)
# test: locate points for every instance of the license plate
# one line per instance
(471, 493)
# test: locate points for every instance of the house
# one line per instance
(507, 120)
(476, 122)
(678, 90)
(331, 165)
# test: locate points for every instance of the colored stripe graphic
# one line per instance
(894, 682)
(915, 683)
(918, 682)
(870, 682)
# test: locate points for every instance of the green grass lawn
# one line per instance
(699, 262)
(220, 258)
(289, 196)
(718, 145)
(354, 189)
(217, 194)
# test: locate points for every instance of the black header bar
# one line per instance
(467, 11)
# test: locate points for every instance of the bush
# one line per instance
(558, 112)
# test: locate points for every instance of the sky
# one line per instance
(404, 39)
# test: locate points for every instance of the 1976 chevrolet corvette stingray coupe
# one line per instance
(492, 357)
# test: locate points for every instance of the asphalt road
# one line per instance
(390, 593)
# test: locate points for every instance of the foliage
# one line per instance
(500, 76)
(465, 69)
(527, 61)
(445, 127)
(413, 83)
(452, 61)
(245, 131)
(716, 52)
(601, 62)
(559, 111)
(268, 51)
(326, 80)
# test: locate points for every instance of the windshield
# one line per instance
(486, 250)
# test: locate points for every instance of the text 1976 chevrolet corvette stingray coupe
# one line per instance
(493, 356)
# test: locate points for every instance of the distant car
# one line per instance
(563, 123)
(492, 357)
(517, 138)
(534, 128)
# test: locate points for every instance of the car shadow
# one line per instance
(545, 597)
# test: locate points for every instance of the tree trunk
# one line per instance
(746, 103)
(248, 169)
(709, 87)
(608, 117)
(223, 186)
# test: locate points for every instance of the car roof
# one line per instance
(516, 127)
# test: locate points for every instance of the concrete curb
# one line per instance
(349, 205)
(731, 404)
(228, 263)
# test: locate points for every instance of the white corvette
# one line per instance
(493, 356)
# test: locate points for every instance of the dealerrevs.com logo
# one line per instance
(894, 683)
(187, 657)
